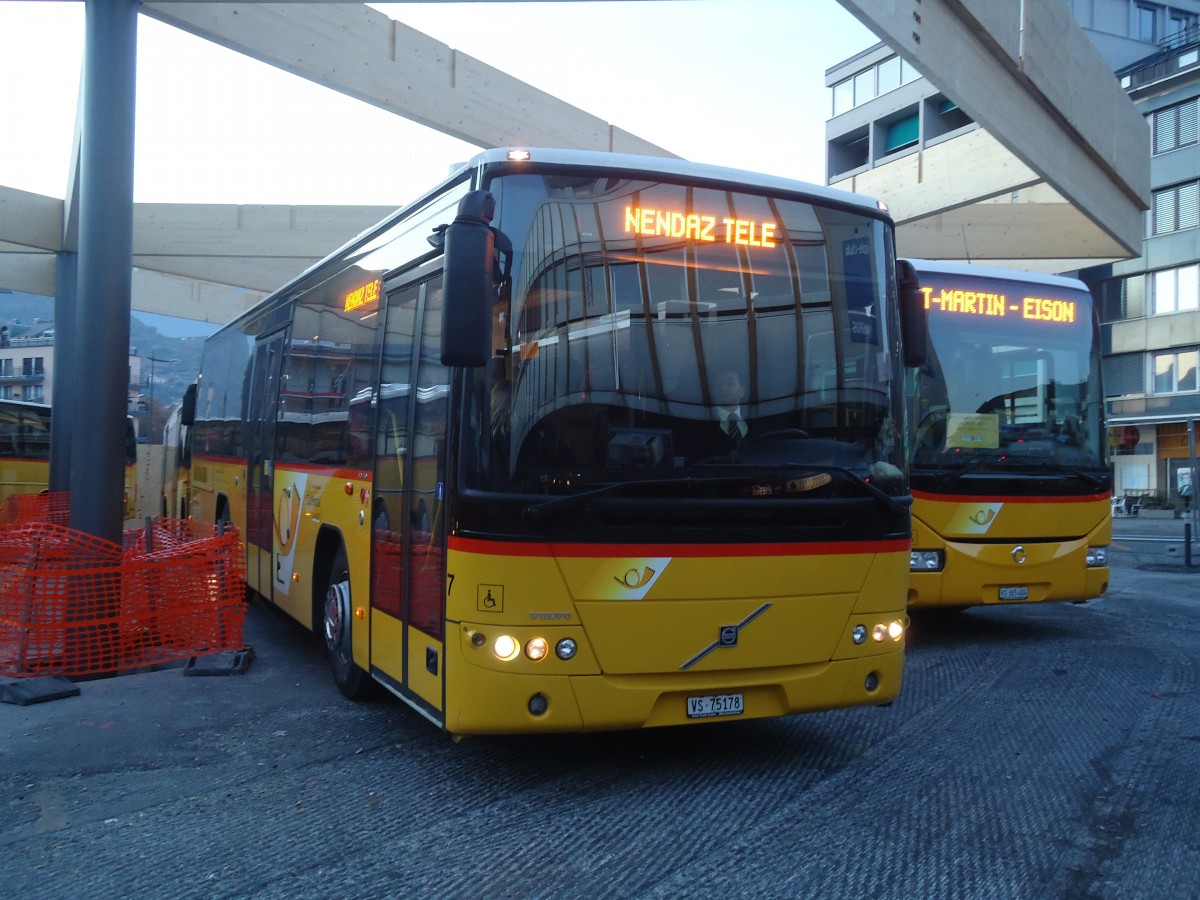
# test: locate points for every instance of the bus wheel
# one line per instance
(349, 678)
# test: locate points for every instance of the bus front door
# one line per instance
(408, 568)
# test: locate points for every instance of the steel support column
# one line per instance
(66, 299)
(100, 377)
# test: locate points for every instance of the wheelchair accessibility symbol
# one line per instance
(489, 598)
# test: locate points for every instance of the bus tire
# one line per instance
(336, 620)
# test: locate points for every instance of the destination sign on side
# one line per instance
(985, 303)
(363, 297)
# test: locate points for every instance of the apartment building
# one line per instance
(883, 110)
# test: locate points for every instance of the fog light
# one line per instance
(1097, 556)
(506, 647)
(538, 704)
(926, 560)
(872, 682)
(860, 634)
(566, 648)
(537, 648)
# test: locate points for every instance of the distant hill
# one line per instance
(177, 359)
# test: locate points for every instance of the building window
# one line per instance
(1174, 127)
(1179, 22)
(864, 87)
(843, 97)
(1175, 208)
(1175, 372)
(1176, 290)
(889, 75)
(1144, 22)
(871, 83)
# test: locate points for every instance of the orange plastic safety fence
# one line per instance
(43, 507)
(72, 604)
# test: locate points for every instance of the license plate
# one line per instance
(714, 705)
(1014, 593)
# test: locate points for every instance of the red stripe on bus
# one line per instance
(543, 548)
(330, 471)
(992, 498)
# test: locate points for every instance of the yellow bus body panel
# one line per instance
(1039, 544)
(649, 627)
(23, 476)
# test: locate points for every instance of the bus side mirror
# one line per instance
(187, 407)
(912, 315)
(469, 281)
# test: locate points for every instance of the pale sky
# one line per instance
(733, 82)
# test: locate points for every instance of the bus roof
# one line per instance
(944, 267)
(540, 159)
(667, 166)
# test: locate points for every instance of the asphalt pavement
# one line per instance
(99, 792)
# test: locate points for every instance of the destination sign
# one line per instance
(699, 227)
(363, 297)
(985, 304)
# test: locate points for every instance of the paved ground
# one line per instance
(1035, 752)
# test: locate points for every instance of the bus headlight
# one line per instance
(537, 648)
(566, 648)
(1097, 556)
(885, 630)
(926, 560)
(506, 647)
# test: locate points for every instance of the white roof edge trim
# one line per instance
(941, 267)
(661, 165)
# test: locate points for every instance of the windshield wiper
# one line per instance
(976, 464)
(887, 500)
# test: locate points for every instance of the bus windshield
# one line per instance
(1013, 377)
(665, 331)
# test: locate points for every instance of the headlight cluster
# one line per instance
(1097, 556)
(879, 632)
(926, 560)
(506, 648)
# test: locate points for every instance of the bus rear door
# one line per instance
(260, 461)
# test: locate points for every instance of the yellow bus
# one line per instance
(177, 456)
(580, 441)
(1010, 477)
(25, 452)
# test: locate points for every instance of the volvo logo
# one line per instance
(727, 636)
(1018, 554)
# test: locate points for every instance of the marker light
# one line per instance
(925, 561)
(506, 647)
(537, 648)
(518, 155)
(1097, 556)
(565, 649)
